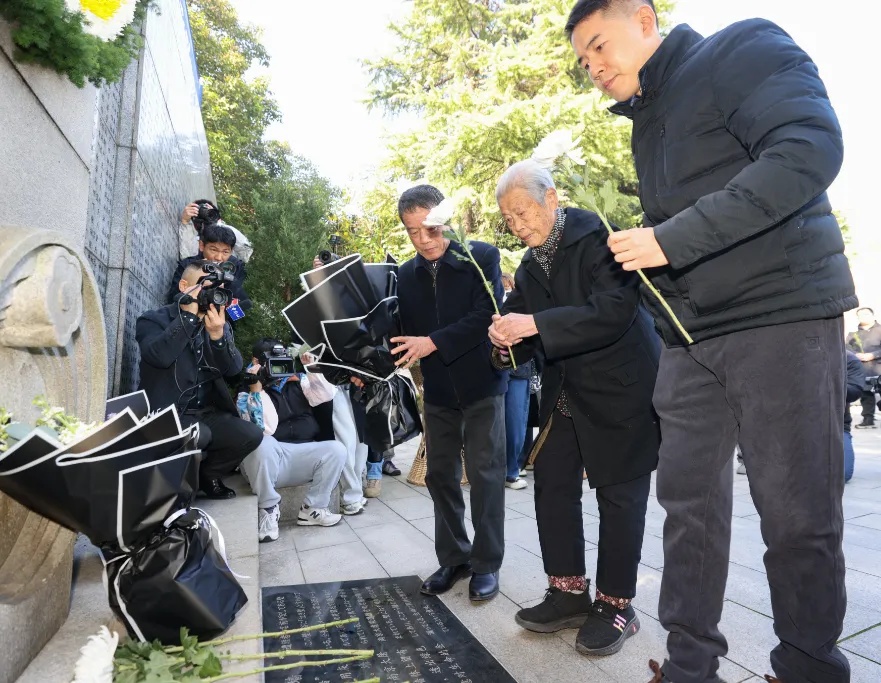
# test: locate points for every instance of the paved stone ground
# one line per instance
(394, 537)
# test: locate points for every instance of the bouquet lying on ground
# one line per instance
(558, 152)
(127, 483)
(104, 660)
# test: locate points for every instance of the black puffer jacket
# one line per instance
(735, 144)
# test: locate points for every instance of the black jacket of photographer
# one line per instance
(735, 144)
(598, 344)
(854, 386)
(177, 354)
(867, 341)
(455, 311)
(236, 287)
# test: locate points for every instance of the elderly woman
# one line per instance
(576, 309)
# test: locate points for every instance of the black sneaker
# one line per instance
(559, 610)
(867, 423)
(605, 629)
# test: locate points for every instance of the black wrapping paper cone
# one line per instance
(338, 291)
(392, 413)
(362, 342)
(136, 401)
(178, 578)
(87, 492)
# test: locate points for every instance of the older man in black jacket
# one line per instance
(735, 144)
(445, 311)
(185, 355)
(578, 310)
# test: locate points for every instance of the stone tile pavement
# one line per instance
(394, 537)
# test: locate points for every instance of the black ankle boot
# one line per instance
(559, 610)
(215, 489)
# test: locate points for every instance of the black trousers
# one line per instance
(867, 401)
(558, 489)
(480, 427)
(778, 392)
(226, 440)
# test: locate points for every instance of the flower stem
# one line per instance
(281, 654)
(492, 296)
(282, 667)
(649, 284)
(276, 634)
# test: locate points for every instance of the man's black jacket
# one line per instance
(456, 312)
(170, 341)
(597, 343)
(296, 422)
(867, 341)
(735, 144)
(237, 287)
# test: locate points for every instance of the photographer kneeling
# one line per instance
(187, 349)
(288, 455)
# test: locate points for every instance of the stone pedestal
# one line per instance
(52, 343)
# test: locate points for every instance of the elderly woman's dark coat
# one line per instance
(598, 344)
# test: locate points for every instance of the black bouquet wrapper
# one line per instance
(348, 316)
(177, 579)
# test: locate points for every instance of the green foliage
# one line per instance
(46, 33)
(490, 79)
(292, 213)
(237, 110)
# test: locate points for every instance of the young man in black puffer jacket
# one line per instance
(735, 144)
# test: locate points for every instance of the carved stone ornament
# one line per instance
(52, 343)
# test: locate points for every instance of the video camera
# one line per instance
(326, 255)
(217, 274)
(275, 364)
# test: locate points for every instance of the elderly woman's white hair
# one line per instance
(526, 175)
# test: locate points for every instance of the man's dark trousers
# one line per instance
(225, 439)
(778, 391)
(480, 427)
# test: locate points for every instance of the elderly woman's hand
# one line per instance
(511, 329)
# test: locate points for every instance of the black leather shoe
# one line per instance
(445, 578)
(216, 490)
(483, 587)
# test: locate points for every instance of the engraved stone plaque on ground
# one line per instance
(415, 637)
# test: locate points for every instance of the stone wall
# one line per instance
(111, 168)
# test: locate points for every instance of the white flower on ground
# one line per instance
(558, 144)
(95, 664)
(440, 215)
(104, 18)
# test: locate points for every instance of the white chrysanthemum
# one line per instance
(104, 18)
(95, 664)
(76, 432)
(555, 145)
(441, 214)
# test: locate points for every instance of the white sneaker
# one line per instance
(354, 508)
(517, 484)
(523, 472)
(267, 524)
(317, 517)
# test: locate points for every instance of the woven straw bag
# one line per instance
(419, 468)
